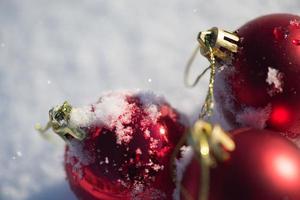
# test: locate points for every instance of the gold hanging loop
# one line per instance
(188, 69)
(207, 107)
(211, 144)
(217, 46)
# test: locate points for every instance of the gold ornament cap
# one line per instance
(59, 121)
(222, 42)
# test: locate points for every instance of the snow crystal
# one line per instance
(153, 112)
(138, 151)
(256, 118)
(105, 111)
(151, 103)
(222, 96)
(139, 192)
(82, 117)
(153, 143)
(295, 23)
(157, 167)
(124, 135)
(149, 98)
(147, 133)
(109, 107)
(19, 154)
(181, 164)
(275, 79)
(114, 111)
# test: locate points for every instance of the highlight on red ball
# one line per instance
(285, 167)
(280, 116)
(282, 166)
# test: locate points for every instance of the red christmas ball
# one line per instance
(127, 151)
(264, 166)
(261, 87)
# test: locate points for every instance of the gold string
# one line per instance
(205, 137)
(207, 108)
(200, 143)
(188, 68)
(209, 141)
(208, 105)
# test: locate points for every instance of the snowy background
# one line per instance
(51, 51)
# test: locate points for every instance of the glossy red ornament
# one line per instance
(128, 149)
(264, 166)
(261, 87)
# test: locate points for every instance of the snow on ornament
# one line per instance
(264, 75)
(119, 147)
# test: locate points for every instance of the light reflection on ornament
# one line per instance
(280, 116)
(163, 133)
(285, 167)
(296, 41)
(162, 130)
(281, 165)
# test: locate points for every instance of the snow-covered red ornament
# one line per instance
(255, 73)
(120, 147)
(263, 166)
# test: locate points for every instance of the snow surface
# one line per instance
(51, 51)
(106, 111)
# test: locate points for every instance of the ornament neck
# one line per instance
(59, 121)
(222, 43)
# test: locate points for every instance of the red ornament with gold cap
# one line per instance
(263, 165)
(258, 85)
(255, 73)
(119, 147)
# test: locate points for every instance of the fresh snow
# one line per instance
(52, 51)
(274, 79)
(181, 164)
(252, 117)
